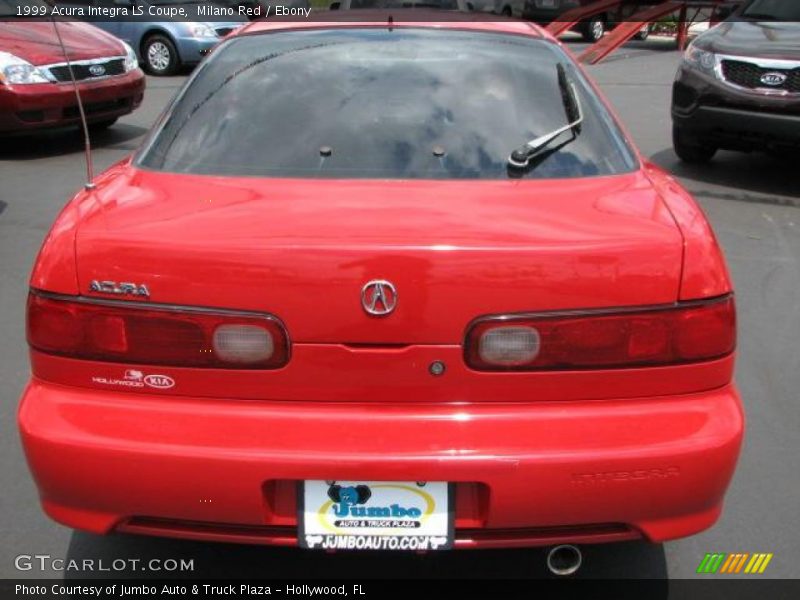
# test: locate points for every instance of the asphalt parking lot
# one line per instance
(753, 202)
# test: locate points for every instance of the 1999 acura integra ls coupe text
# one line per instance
(377, 285)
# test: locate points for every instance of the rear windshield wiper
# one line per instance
(521, 157)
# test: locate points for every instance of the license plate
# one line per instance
(547, 3)
(375, 515)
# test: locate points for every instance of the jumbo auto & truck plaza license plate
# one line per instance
(375, 515)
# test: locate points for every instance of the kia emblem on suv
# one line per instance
(97, 70)
(774, 79)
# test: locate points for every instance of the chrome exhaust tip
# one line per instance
(564, 560)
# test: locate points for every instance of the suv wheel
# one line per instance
(160, 56)
(690, 149)
(593, 29)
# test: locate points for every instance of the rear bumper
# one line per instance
(526, 474)
(46, 105)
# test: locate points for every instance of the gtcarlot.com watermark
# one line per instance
(46, 562)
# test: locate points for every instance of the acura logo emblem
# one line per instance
(774, 79)
(379, 297)
(97, 70)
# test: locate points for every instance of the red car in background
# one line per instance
(424, 293)
(36, 91)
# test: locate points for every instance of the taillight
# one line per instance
(155, 335)
(687, 332)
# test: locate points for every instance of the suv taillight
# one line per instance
(687, 332)
(155, 335)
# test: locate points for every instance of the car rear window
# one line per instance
(399, 103)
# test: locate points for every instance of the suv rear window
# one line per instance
(405, 103)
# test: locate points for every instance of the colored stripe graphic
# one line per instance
(753, 564)
(732, 560)
(711, 563)
(704, 564)
(758, 564)
(721, 562)
(741, 562)
(765, 563)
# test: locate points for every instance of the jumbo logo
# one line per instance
(348, 507)
(161, 382)
(347, 499)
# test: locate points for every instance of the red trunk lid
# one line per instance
(303, 249)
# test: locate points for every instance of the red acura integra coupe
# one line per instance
(393, 286)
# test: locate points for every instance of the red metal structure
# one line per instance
(625, 31)
(572, 17)
(688, 11)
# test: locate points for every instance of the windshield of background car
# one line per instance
(779, 10)
(407, 103)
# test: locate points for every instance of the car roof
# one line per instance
(434, 19)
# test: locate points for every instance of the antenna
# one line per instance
(87, 146)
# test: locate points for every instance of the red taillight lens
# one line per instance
(685, 333)
(180, 337)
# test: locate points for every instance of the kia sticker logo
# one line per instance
(97, 70)
(161, 382)
(379, 297)
(774, 79)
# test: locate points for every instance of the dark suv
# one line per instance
(738, 86)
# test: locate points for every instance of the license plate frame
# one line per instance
(375, 515)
